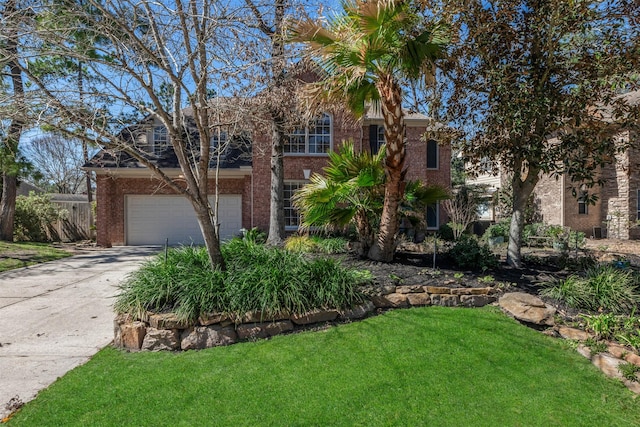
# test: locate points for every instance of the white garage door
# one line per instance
(153, 219)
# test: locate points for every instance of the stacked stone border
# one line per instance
(164, 331)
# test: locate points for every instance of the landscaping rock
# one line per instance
(476, 300)
(437, 290)
(258, 316)
(314, 317)
(161, 339)
(132, 335)
(445, 300)
(279, 327)
(470, 291)
(608, 364)
(409, 289)
(632, 358)
(617, 350)
(212, 318)
(391, 301)
(359, 311)
(167, 321)
(573, 333)
(248, 331)
(200, 337)
(387, 289)
(527, 308)
(419, 299)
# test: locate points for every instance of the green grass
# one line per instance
(430, 366)
(16, 255)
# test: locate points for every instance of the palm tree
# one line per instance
(351, 192)
(365, 54)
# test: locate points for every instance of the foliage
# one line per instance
(34, 217)
(257, 278)
(462, 208)
(499, 229)
(365, 53)
(351, 192)
(629, 371)
(367, 359)
(603, 325)
(255, 235)
(603, 288)
(596, 346)
(445, 232)
(469, 253)
(526, 74)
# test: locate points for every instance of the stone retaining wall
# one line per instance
(164, 331)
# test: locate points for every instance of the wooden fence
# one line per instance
(78, 224)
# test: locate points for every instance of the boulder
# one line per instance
(359, 311)
(391, 301)
(476, 300)
(470, 291)
(200, 337)
(167, 321)
(278, 327)
(207, 319)
(437, 290)
(419, 299)
(573, 333)
(315, 316)
(445, 300)
(250, 331)
(409, 289)
(527, 308)
(161, 339)
(132, 335)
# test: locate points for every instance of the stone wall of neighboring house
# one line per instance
(111, 192)
(549, 199)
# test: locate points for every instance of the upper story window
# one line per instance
(218, 143)
(433, 152)
(313, 139)
(160, 139)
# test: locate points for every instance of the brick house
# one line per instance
(617, 210)
(135, 208)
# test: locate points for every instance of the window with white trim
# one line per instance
(433, 152)
(291, 215)
(433, 216)
(160, 139)
(313, 139)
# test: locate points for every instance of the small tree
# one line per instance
(462, 209)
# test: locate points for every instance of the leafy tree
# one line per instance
(351, 192)
(539, 80)
(366, 54)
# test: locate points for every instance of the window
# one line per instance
(433, 216)
(160, 139)
(313, 139)
(432, 154)
(218, 143)
(291, 215)
(583, 205)
(638, 203)
(376, 138)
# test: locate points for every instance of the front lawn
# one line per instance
(16, 255)
(428, 366)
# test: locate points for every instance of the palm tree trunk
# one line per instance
(391, 102)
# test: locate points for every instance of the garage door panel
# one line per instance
(153, 219)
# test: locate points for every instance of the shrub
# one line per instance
(33, 218)
(468, 253)
(307, 244)
(445, 232)
(257, 278)
(300, 244)
(603, 288)
(500, 229)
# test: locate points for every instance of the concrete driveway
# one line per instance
(55, 316)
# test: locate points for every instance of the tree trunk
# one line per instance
(521, 192)
(276, 234)
(391, 102)
(8, 206)
(10, 145)
(209, 228)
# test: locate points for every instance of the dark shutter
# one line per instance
(432, 154)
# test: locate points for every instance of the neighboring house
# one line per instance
(135, 208)
(617, 211)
